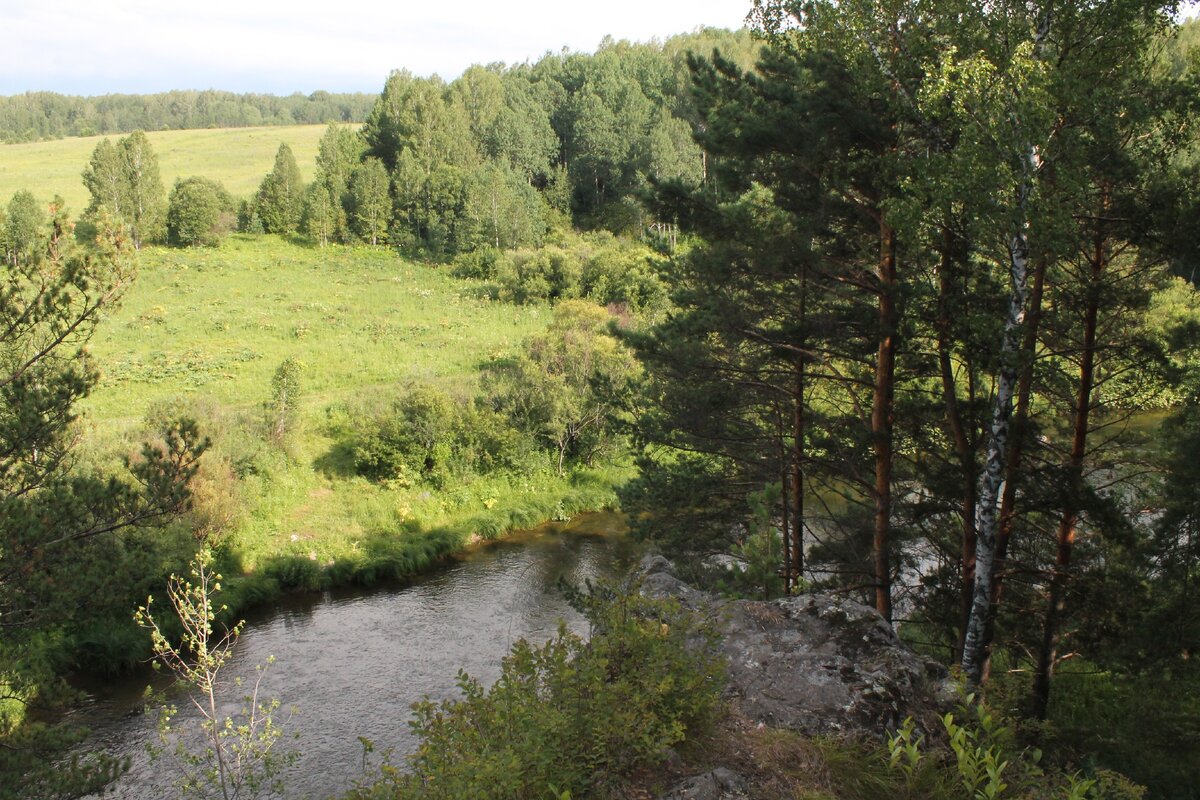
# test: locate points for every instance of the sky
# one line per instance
(282, 46)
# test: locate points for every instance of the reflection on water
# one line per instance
(351, 663)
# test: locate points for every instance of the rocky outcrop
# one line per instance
(719, 784)
(817, 663)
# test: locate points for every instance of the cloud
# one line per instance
(270, 45)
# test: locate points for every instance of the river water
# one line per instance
(351, 663)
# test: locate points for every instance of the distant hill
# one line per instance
(38, 116)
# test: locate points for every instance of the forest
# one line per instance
(35, 116)
(894, 301)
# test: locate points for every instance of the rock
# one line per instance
(822, 664)
(719, 784)
(815, 663)
(658, 581)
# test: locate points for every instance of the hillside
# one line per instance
(206, 329)
(238, 157)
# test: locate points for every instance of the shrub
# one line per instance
(199, 212)
(572, 714)
(427, 435)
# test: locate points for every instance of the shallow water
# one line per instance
(351, 662)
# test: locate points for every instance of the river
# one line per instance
(351, 663)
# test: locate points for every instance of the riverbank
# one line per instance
(285, 502)
(350, 661)
(259, 572)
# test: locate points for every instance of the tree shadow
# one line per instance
(337, 461)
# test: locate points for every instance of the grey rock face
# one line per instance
(816, 663)
(822, 664)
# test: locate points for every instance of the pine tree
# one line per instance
(52, 300)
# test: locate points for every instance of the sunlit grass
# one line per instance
(238, 157)
(212, 325)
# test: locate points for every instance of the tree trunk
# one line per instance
(997, 444)
(963, 447)
(785, 507)
(797, 565)
(1069, 521)
(1016, 452)
(882, 415)
(798, 433)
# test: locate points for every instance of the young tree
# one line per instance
(124, 179)
(323, 217)
(24, 228)
(371, 201)
(285, 398)
(236, 757)
(280, 200)
(328, 198)
(105, 179)
(146, 201)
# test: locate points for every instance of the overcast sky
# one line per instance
(283, 46)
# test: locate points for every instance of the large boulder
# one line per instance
(815, 663)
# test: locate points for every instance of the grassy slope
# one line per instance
(216, 323)
(238, 157)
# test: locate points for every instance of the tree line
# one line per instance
(38, 116)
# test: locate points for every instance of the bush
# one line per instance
(570, 716)
(199, 212)
(426, 435)
(483, 264)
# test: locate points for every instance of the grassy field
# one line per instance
(206, 329)
(238, 157)
(217, 322)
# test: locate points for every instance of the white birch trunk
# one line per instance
(992, 483)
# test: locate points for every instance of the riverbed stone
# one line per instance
(816, 663)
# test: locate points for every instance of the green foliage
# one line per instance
(425, 435)
(24, 228)
(199, 213)
(34, 116)
(228, 756)
(280, 200)
(1141, 726)
(567, 385)
(978, 759)
(54, 519)
(124, 180)
(758, 556)
(370, 201)
(285, 399)
(600, 267)
(573, 714)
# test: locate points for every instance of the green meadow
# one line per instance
(203, 330)
(237, 157)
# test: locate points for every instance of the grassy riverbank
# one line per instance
(201, 333)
